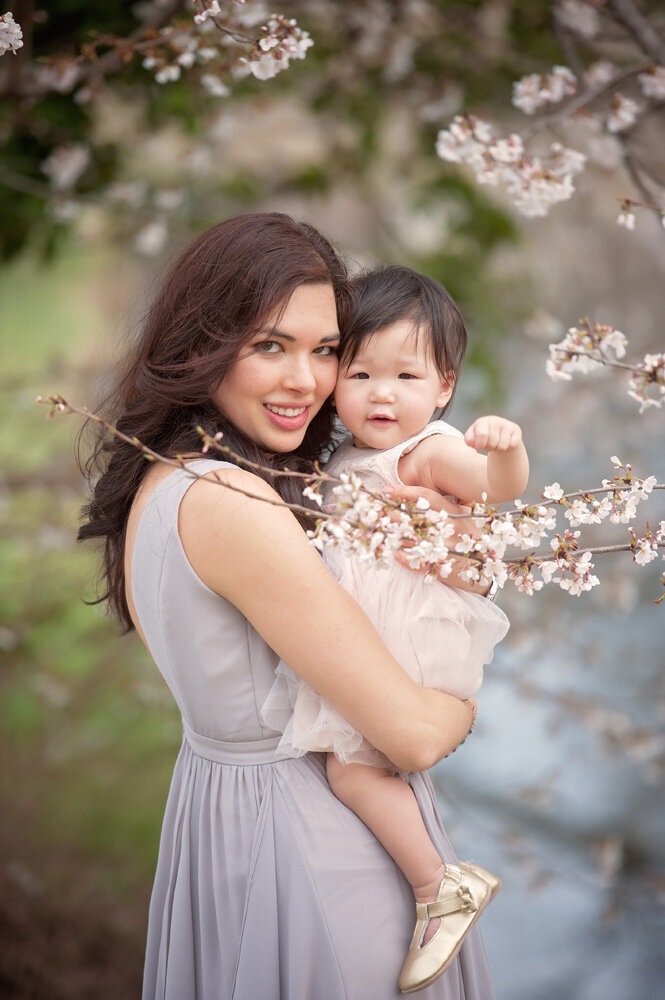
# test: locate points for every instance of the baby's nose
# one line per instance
(383, 392)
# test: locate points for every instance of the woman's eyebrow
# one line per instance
(272, 332)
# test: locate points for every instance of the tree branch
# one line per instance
(639, 27)
(110, 63)
(581, 100)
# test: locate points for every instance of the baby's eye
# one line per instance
(267, 347)
(406, 375)
(326, 350)
(359, 375)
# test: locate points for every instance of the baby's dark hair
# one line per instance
(387, 294)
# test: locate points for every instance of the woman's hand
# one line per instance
(462, 526)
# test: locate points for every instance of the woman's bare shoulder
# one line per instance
(234, 527)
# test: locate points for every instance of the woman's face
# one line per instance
(285, 372)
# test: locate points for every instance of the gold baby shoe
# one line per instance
(463, 895)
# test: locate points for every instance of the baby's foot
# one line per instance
(427, 893)
(461, 897)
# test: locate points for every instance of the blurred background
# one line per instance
(104, 173)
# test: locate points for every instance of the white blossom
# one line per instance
(583, 349)
(533, 91)
(579, 17)
(652, 82)
(626, 219)
(313, 494)
(547, 570)
(622, 114)
(534, 183)
(214, 85)
(151, 240)
(651, 375)
(186, 59)
(643, 553)
(170, 199)
(281, 41)
(212, 11)
(553, 492)
(65, 165)
(11, 35)
(168, 74)
(599, 73)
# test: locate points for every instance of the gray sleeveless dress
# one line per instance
(267, 887)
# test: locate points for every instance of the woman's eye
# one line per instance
(267, 347)
(326, 350)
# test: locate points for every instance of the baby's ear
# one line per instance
(447, 386)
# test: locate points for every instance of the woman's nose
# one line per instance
(300, 375)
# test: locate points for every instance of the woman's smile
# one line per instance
(288, 417)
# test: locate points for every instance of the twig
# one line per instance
(600, 358)
(636, 178)
(581, 101)
(178, 462)
(639, 27)
(58, 402)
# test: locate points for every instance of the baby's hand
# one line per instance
(493, 434)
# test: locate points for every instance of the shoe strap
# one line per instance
(461, 899)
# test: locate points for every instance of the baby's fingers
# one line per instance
(476, 436)
(504, 438)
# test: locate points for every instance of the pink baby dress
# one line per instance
(442, 636)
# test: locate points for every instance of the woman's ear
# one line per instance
(447, 386)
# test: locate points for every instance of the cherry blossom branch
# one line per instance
(586, 346)
(375, 528)
(582, 100)
(40, 82)
(534, 182)
(167, 48)
(59, 403)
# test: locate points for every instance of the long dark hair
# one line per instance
(214, 298)
(389, 293)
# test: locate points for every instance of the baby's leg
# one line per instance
(387, 805)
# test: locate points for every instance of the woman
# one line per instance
(266, 885)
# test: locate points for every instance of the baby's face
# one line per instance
(391, 388)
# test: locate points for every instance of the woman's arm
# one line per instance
(257, 556)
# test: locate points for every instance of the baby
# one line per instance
(402, 348)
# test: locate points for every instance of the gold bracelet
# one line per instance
(475, 715)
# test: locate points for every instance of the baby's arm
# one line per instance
(453, 465)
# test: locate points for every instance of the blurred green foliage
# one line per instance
(80, 708)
